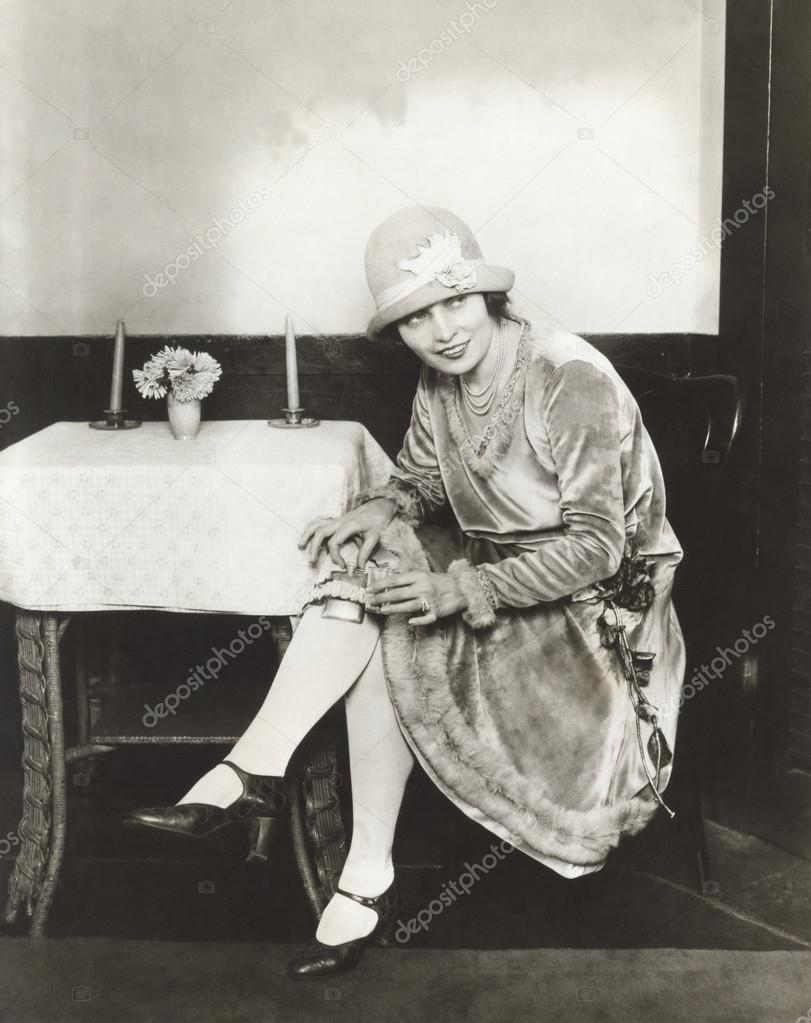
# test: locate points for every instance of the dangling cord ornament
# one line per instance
(643, 708)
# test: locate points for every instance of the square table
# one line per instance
(94, 521)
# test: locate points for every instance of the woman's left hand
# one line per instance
(432, 595)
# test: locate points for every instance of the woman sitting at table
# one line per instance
(496, 652)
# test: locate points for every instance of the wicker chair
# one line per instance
(693, 422)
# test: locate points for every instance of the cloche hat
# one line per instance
(421, 255)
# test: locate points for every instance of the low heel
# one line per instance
(384, 932)
(384, 936)
(262, 834)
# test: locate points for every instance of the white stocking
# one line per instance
(323, 660)
(380, 762)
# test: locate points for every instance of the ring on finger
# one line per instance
(425, 606)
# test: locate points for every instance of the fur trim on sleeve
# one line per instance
(406, 501)
(480, 612)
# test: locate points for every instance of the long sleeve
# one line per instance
(579, 411)
(415, 486)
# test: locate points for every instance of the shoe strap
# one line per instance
(242, 775)
(365, 900)
(266, 788)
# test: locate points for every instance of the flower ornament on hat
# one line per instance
(441, 259)
(422, 255)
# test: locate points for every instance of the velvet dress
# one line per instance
(516, 708)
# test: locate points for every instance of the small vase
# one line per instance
(184, 417)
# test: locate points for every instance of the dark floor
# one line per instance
(117, 981)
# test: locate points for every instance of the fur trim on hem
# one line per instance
(479, 613)
(399, 538)
(415, 661)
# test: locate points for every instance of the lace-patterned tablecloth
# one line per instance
(97, 521)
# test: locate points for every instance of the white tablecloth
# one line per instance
(94, 520)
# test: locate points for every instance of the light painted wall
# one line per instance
(581, 139)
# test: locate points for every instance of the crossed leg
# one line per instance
(328, 659)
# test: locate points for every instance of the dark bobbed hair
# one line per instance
(497, 302)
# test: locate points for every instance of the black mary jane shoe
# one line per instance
(260, 808)
(320, 960)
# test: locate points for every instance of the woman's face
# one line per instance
(453, 336)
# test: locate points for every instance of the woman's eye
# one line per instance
(414, 319)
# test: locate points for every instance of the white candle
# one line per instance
(117, 384)
(291, 364)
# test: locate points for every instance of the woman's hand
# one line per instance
(367, 521)
(432, 595)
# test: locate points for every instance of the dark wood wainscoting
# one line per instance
(51, 379)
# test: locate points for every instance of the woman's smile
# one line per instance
(455, 351)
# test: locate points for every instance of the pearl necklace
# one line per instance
(480, 402)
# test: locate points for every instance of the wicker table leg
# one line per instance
(54, 630)
(35, 823)
(42, 825)
(316, 819)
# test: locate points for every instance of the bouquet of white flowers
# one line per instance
(188, 375)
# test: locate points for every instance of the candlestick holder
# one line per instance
(294, 419)
(116, 420)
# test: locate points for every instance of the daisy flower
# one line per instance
(189, 375)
